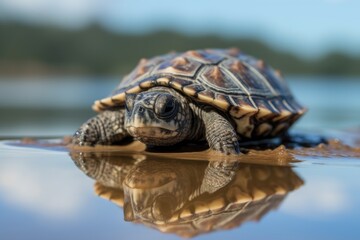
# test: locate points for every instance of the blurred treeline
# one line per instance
(34, 50)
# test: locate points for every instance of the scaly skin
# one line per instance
(105, 128)
(218, 175)
(220, 134)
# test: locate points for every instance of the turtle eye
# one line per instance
(169, 107)
(163, 207)
(165, 106)
(129, 103)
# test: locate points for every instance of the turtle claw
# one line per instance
(105, 128)
(81, 138)
(227, 146)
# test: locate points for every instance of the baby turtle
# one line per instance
(223, 96)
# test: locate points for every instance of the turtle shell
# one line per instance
(255, 96)
(251, 194)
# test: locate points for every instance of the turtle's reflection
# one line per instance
(187, 197)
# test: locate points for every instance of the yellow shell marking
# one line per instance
(189, 91)
(263, 130)
(204, 98)
(118, 98)
(176, 85)
(240, 111)
(163, 81)
(135, 89)
(146, 84)
(244, 126)
(263, 112)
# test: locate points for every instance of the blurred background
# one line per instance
(57, 57)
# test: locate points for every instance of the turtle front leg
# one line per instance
(217, 175)
(220, 134)
(105, 128)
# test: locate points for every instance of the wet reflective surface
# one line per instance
(48, 191)
(188, 197)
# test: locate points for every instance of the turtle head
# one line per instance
(158, 117)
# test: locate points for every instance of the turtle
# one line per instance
(170, 195)
(222, 96)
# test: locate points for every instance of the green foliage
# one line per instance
(94, 50)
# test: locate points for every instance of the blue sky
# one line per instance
(307, 27)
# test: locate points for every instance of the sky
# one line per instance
(307, 27)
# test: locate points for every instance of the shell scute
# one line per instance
(193, 90)
(163, 81)
(243, 105)
(179, 83)
(204, 56)
(222, 101)
(248, 77)
(140, 70)
(178, 66)
(285, 111)
(206, 96)
(272, 77)
(217, 79)
(266, 110)
(148, 83)
(276, 82)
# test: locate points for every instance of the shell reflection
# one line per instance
(187, 197)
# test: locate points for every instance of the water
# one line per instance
(47, 192)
